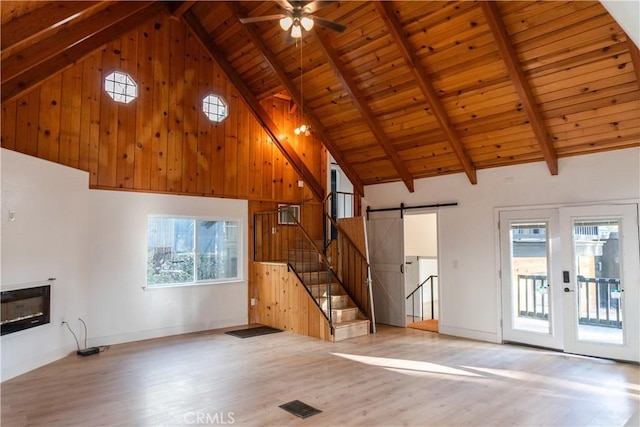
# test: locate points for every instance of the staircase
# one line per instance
(346, 318)
(307, 265)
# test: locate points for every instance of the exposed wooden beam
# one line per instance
(419, 74)
(41, 19)
(249, 98)
(37, 54)
(296, 96)
(635, 57)
(76, 50)
(179, 8)
(363, 107)
(510, 58)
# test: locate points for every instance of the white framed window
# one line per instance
(215, 108)
(192, 250)
(287, 213)
(121, 87)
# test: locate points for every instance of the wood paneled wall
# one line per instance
(160, 142)
(284, 303)
(310, 218)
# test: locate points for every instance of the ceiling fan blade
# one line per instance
(329, 24)
(285, 5)
(316, 5)
(251, 19)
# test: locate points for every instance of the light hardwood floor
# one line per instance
(396, 377)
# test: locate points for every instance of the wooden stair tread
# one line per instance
(350, 329)
(347, 323)
(349, 307)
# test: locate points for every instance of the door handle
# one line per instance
(568, 290)
(402, 268)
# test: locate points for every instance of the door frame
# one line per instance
(436, 212)
(497, 252)
(629, 252)
(554, 338)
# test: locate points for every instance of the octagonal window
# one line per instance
(214, 108)
(121, 87)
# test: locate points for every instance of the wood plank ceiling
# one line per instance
(411, 89)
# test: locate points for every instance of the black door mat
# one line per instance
(253, 332)
(300, 409)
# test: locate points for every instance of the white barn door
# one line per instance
(386, 248)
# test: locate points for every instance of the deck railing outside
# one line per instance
(598, 299)
(533, 298)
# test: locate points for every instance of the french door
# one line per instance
(570, 279)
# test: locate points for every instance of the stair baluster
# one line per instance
(279, 237)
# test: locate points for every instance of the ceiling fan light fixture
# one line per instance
(296, 31)
(286, 22)
(307, 23)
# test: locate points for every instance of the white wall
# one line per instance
(120, 310)
(94, 243)
(468, 279)
(420, 235)
(48, 238)
(627, 14)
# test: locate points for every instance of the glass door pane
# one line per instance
(601, 275)
(528, 247)
(529, 267)
(596, 249)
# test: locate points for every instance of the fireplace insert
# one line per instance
(25, 308)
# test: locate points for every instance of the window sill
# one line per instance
(189, 285)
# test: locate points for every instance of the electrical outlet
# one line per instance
(253, 302)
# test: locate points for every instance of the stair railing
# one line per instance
(278, 237)
(351, 267)
(337, 204)
(349, 263)
(420, 288)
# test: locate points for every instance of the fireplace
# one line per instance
(25, 308)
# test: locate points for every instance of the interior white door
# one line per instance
(601, 266)
(386, 249)
(530, 275)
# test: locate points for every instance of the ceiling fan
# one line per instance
(298, 15)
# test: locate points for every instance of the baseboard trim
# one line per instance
(30, 363)
(165, 332)
(469, 333)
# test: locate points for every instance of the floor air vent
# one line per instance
(300, 409)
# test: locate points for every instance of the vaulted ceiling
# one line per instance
(411, 89)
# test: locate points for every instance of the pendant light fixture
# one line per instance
(303, 129)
